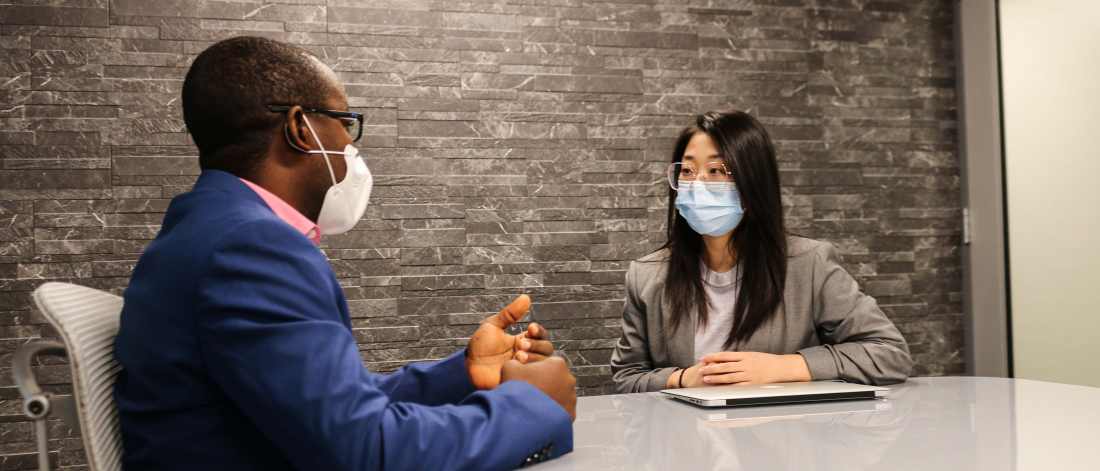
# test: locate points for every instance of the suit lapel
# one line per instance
(681, 347)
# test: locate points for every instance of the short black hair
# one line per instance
(228, 88)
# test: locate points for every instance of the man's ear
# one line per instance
(296, 131)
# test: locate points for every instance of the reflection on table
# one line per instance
(927, 423)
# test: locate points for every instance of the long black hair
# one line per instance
(760, 239)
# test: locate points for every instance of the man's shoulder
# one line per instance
(211, 205)
(210, 214)
(204, 246)
(204, 221)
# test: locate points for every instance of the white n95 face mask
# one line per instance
(346, 200)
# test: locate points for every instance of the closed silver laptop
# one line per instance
(779, 393)
(776, 411)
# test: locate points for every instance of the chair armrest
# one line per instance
(37, 404)
(24, 359)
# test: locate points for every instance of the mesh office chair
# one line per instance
(88, 322)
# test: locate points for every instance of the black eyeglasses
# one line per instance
(350, 120)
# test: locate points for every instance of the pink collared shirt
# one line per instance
(287, 213)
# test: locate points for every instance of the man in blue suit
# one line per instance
(236, 338)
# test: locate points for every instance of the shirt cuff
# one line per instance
(456, 379)
(821, 362)
(450, 383)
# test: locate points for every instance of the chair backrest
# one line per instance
(88, 322)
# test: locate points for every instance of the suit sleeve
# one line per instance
(862, 345)
(429, 383)
(631, 365)
(272, 337)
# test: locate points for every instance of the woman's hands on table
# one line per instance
(752, 368)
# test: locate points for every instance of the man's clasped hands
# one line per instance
(493, 356)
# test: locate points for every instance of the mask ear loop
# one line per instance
(286, 132)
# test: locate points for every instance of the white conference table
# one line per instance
(949, 423)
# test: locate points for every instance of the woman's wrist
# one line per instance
(674, 379)
(685, 378)
(798, 370)
(690, 378)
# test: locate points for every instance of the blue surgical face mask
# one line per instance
(710, 208)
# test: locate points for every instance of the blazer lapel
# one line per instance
(681, 347)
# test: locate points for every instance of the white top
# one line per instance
(721, 291)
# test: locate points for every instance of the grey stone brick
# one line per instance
(52, 15)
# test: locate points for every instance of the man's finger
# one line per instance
(508, 369)
(511, 314)
(530, 357)
(723, 356)
(535, 331)
(541, 347)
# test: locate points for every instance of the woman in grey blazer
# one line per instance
(732, 298)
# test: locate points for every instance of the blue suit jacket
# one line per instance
(238, 354)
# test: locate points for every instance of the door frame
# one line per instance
(986, 303)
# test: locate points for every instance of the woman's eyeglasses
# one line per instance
(353, 122)
(681, 175)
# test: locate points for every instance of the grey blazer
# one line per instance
(840, 331)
